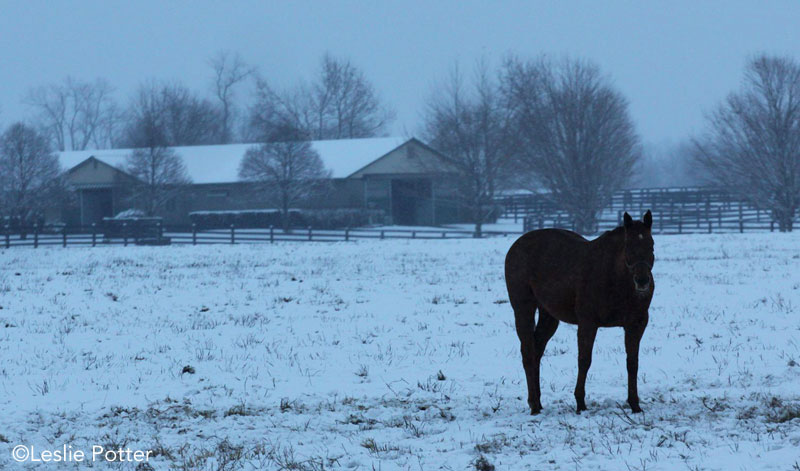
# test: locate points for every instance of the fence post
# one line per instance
(35, 236)
(125, 233)
(709, 226)
(719, 216)
(271, 234)
(772, 226)
(309, 232)
(381, 235)
(160, 231)
(194, 234)
(413, 234)
(541, 222)
(680, 224)
(444, 234)
(346, 234)
(8, 236)
(64, 236)
(233, 234)
(514, 209)
(94, 234)
(741, 218)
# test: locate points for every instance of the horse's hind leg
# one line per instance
(524, 305)
(546, 326)
(586, 335)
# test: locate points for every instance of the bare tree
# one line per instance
(162, 174)
(74, 111)
(229, 71)
(472, 129)
(29, 173)
(291, 169)
(348, 100)
(182, 118)
(752, 145)
(578, 140)
(340, 104)
(109, 132)
(275, 111)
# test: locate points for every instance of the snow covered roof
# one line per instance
(220, 163)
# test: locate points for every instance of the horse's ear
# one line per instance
(628, 219)
(647, 219)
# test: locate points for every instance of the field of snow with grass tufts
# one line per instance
(389, 355)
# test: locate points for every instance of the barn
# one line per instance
(395, 175)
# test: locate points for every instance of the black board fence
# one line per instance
(125, 234)
(680, 221)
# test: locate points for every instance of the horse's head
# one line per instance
(638, 252)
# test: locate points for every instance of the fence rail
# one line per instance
(687, 222)
(675, 211)
(95, 235)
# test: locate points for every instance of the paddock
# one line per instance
(390, 354)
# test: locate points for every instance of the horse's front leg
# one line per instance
(586, 335)
(633, 335)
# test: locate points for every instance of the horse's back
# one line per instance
(547, 263)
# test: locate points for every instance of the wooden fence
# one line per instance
(95, 235)
(686, 221)
(675, 211)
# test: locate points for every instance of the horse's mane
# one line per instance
(612, 235)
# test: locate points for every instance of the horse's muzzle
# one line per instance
(641, 282)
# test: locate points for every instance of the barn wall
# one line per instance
(237, 196)
(409, 158)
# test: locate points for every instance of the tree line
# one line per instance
(558, 126)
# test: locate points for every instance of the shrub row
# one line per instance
(263, 218)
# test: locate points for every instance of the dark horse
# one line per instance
(606, 282)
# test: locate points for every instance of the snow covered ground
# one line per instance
(389, 355)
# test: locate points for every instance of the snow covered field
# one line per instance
(389, 355)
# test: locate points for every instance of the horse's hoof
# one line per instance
(535, 410)
(636, 409)
(579, 409)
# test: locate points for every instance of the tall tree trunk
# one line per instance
(285, 214)
(585, 221)
(478, 217)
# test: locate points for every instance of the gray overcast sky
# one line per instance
(673, 60)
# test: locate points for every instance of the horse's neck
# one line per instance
(610, 251)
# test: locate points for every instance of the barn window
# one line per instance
(218, 194)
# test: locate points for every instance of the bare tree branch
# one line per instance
(752, 145)
(578, 140)
(162, 176)
(290, 170)
(28, 173)
(471, 128)
(340, 104)
(183, 118)
(74, 111)
(229, 71)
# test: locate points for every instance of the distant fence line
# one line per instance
(689, 221)
(675, 211)
(95, 235)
